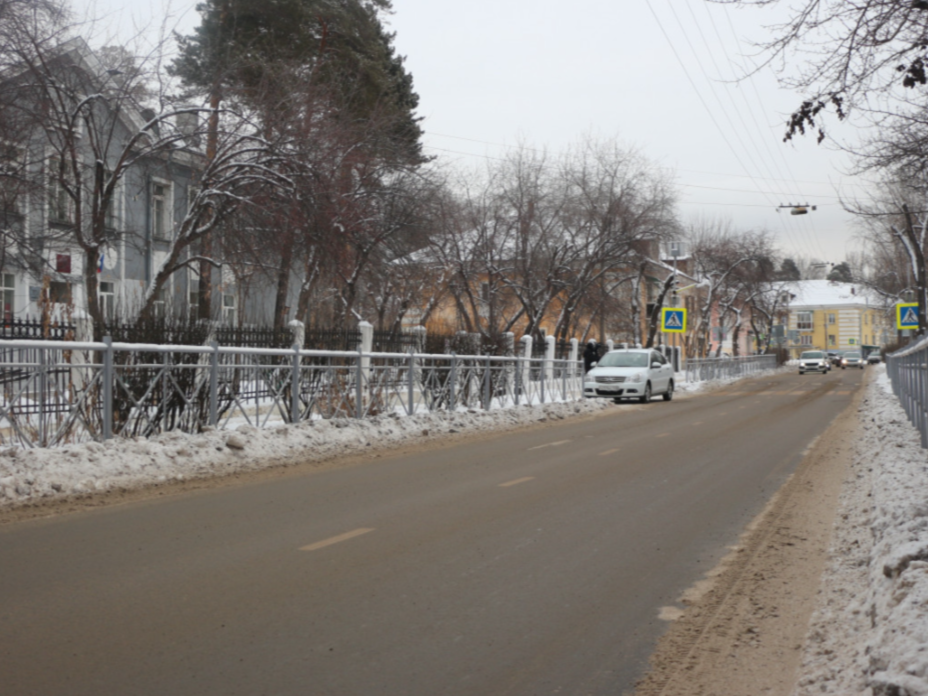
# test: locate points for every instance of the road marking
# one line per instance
(550, 444)
(336, 539)
(612, 451)
(698, 422)
(662, 435)
(516, 482)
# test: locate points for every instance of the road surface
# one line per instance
(530, 562)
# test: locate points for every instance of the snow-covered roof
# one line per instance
(827, 293)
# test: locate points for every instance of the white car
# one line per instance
(814, 361)
(633, 373)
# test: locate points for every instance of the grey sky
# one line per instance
(492, 73)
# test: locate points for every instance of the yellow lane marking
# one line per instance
(550, 444)
(336, 539)
(612, 451)
(516, 482)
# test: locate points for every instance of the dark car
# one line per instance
(852, 358)
(835, 357)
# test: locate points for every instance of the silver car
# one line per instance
(633, 373)
(852, 358)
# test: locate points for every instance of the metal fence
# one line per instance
(701, 370)
(55, 393)
(908, 372)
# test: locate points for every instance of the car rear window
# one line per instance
(811, 355)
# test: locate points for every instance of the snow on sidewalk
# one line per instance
(30, 475)
(869, 633)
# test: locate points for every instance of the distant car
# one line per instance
(852, 358)
(874, 358)
(835, 357)
(633, 373)
(813, 361)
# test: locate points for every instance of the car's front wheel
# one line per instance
(668, 395)
(801, 372)
(646, 397)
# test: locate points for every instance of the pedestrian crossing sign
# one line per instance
(907, 316)
(673, 320)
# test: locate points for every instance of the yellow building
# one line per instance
(825, 315)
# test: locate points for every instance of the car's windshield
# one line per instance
(811, 355)
(623, 359)
(852, 355)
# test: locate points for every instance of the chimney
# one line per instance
(188, 124)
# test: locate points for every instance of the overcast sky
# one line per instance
(658, 75)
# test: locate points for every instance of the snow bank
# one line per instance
(869, 634)
(28, 475)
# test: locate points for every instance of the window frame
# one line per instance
(165, 231)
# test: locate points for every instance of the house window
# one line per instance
(804, 321)
(228, 309)
(159, 304)
(831, 318)
(107, 300)
(63, 263)
(59, 202)
(11, 175)
(160, 220)
(7, 294)
(832, 340)
(111, 218)
(485, 292)
(59, 292)
(805, 340)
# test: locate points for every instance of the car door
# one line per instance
(660, 376)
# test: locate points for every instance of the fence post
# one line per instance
(411, 382)
(359, 384)
(486, 385)
(108, 387)
(453, 380)
(366, 346)
(295, 384)
(165, 364)
(574, 354)
(527, 367)
(43, 388)
(214, 384)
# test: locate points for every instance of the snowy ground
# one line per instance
(869, 634)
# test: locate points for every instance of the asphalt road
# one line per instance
(527, 563)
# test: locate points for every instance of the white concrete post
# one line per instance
(298, 332)
(574, 355)
(367, 345)
(610, 344)
(83, 333)
(526, 376)
(509, 346)
(550, 346)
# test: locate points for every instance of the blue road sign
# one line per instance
(907, 316)
(673, 320)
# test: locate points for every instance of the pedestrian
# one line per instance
(590, 355)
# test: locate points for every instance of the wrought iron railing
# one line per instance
(54, 393)
(908, 371)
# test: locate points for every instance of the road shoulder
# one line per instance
(742, 628)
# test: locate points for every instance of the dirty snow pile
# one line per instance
(869, 634)
(28, 475)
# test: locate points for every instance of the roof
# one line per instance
(827, 293)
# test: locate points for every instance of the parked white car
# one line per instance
(814, 361)
(633, 373)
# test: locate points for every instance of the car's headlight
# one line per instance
(637, 377)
